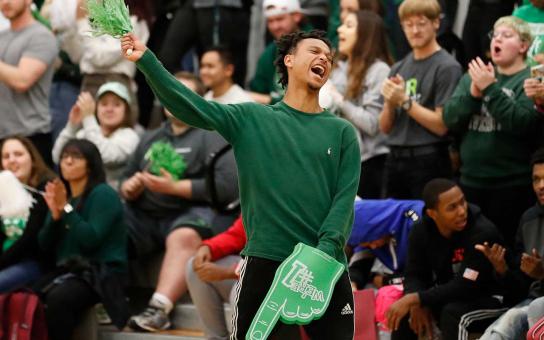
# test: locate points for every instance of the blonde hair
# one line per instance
(428, 8)
(518, 25)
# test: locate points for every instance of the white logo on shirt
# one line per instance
(329, 151)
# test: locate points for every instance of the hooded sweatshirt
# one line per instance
(444, 270)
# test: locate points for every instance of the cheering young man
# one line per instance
(298, 171)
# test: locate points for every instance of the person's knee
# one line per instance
(183, 239)
(535, 311)
(190, 274)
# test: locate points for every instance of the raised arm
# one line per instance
(183, 103)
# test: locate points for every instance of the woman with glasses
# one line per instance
(354, 92)
(20, 260)
(86, 231)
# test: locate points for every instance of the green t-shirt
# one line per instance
(535, 18)
(298, 172)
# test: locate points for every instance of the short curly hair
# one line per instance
(288, 43)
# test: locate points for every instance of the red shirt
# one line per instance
(229, 242)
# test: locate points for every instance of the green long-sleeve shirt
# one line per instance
(298, 172)
(498, 132)
(96, 232)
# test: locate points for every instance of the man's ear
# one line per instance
(431, 213)
(229, 70)
(436, 24)
(288, 60)
(297, 17)
(524, 47)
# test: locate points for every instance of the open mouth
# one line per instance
(497, 49)
(318, 70)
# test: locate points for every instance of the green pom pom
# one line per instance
(109, 17)
(163, 155)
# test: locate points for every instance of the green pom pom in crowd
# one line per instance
(163, 155)
(109, 17)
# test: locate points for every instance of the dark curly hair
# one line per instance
(288, 43)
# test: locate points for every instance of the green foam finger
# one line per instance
(301, 291)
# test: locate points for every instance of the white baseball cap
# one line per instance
(280, 7)
(116, 88)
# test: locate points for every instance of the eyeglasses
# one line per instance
(504, 34)
(409, 25)
(74, 155)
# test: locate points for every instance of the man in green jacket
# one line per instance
(298, 171)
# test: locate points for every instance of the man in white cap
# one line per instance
(282, 17)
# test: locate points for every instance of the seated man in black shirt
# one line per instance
(446, 278)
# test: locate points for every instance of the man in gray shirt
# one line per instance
(415, 93)
(27, 52)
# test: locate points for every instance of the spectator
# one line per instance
(282, 17)
(20, 259)
(498, 128)
(417, 90)
(27, 50)
(107, 123)
(445, 276)
(170, 214)
(354, 88)
(381, 228)
(211, 275)
(85, 229)
(216, 71)
(527, 269)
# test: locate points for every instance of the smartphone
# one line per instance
(537, 72)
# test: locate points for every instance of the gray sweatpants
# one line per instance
(209, 297)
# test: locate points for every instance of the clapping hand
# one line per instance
(482, 75)
(55, 197)
(393, 90)
(532, 265)
(86, 104)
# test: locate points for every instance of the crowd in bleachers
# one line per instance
(449, 127)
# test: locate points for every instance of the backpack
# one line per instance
(22, 317)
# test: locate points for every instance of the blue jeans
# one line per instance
(18, 275)
(62, 97)
(535, 311)
(512, 325)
